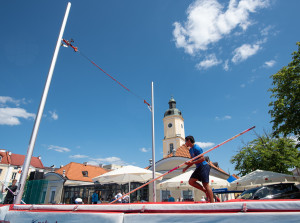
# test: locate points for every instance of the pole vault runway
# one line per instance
(238, 211)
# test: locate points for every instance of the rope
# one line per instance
(67, 43)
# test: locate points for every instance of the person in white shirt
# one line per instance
(125, 199)
(118, 196)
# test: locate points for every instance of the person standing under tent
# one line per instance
(95, 198)
(170, 198)
(9, 198)
(118, 196)
(202, 168)
(125, 199)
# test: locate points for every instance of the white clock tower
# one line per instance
(174, 135)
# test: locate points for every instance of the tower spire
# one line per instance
(172, 108)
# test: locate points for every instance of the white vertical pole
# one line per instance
(27, 160)
(129, 190)
(153, 145)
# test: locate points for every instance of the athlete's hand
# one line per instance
(184, 169)
(189, 163)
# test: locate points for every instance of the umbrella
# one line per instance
(260, 177)
(182, 181)
(126, 174)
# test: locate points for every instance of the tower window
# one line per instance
(171, 147)
(85, 173)
(13, 176)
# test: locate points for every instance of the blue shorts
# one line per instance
(202, 173)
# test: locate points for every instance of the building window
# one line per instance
(0, 171)
(165, 195)
(0, 158)
(52, 195)
(187, 195)
(13, 176)
(85, 173)
(171, 147)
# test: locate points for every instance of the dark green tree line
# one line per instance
(267, 153)
(285, 112)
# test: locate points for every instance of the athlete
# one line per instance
(202, 169)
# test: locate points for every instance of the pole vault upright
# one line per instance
(27, 160)
(153, 144)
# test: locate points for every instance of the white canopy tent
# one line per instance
(261, 177)
(126, 174)
(182, 181)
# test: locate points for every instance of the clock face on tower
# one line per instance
(170, 125)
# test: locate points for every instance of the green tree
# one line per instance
(267, 153)
(285, 113)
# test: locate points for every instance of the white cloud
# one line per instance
(93, 163)
(110, 160)
(226, 66)
(209, 61)
(243, 85)
(269, 63)
(144, 150)
(58, 149)
(243, 52)
(295, 139)
(252, 79)
(11, 116)
(226, 117)
(205, 144)
(208, 22)
(265, 31)
(5, 99)
(78, 156)
(54, 115)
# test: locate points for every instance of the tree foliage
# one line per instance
(267, 153)
(285, 113)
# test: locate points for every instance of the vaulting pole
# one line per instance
(27, 160)
(153, 145)
(196, 157)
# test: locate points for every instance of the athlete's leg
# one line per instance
(209, 192)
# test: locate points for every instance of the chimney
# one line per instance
(85, 163)
(61, 166)
(39, 157)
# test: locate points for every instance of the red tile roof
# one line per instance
(73, 171)
(235, 176)
(18, 159)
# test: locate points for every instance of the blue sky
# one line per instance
(214, 56)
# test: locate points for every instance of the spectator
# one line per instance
(171, 199)
(125, 198)
(78, 201)
(95, 197)
(9, 198)
(118, 196)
